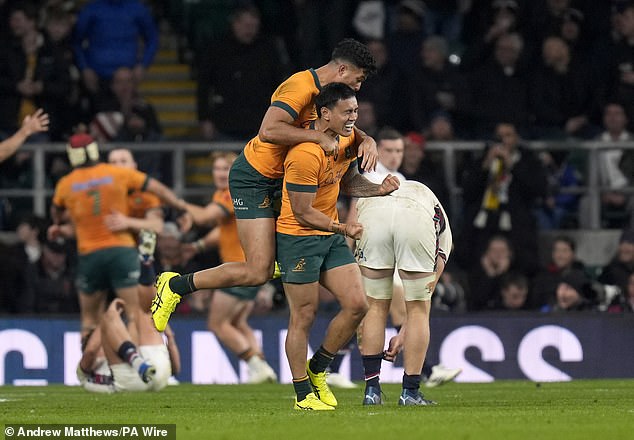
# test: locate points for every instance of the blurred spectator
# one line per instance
(441, 127)
(383, 89)
(612, 177)
(367, 118)
(450, 295)
(498, 91)
(572, 31)
(485, 278)
(622, 65)
(513, 293)
(562, 94)
(50, 286)
(31, 232)
(563, 259)
(236, 77)
(321, 24)
(137, 121)
(558, 209)
(625, 301)
(107, 37)
(444, 17)
(545, 18)
(619, 269)
(123, 116)
(58, 26)
(32, 74)
(435, 84)
(490, 21)
(500, 191)
(405, 40)
(574, 293)
(417, 165)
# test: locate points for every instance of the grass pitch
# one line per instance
(592, 409)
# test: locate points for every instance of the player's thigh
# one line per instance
(257, 238)
(92, 306)
(375, 249)
(341, 275)
(254, 195)
(415, 241)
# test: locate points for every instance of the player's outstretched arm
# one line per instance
(165, 194)
(356, 185)
(277, 128)
(32, 124)
(209, 215)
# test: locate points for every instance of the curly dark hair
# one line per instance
(356, 53)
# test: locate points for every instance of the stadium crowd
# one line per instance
(496, 70)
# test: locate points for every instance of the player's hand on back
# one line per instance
(116, 221)
(389, 184)
(368, 153)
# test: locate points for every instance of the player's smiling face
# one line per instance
(342, 117)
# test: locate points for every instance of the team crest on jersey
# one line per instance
(265, 203)
(348, 153)
(300, 266)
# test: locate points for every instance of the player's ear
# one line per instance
(341, 70)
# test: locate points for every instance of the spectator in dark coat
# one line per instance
(236, 79)
(618, 270)
(32, 74)
(563, 260)
(498, 91)
(500, 191)
(563, 94)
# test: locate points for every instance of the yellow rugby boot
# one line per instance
(165, 300)
(320, 386)
(312, 403)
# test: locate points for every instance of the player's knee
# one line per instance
(258, 274)
(358, 307)
(303, 317)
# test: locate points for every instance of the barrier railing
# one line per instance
(449, 151)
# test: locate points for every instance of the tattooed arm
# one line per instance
(355, 185)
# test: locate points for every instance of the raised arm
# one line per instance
(209, 215)
(153, 221)
(277, 128)
(34, 123)
(165, 194)
(354, 184)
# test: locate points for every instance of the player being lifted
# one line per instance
(256, 175)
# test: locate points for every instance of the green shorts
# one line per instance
(242, 293)
(254, 195)
(105, 269)
(302, 259)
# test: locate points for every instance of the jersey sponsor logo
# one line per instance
(265, 203)
(300, 266)
(238, 202)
